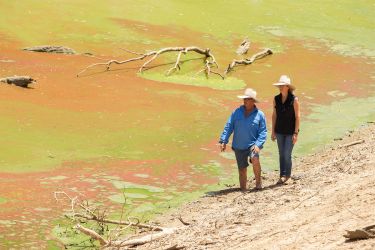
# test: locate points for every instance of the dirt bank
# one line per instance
(334, 192)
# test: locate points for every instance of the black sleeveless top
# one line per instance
(285, 116)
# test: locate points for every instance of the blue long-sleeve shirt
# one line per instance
(247, 131)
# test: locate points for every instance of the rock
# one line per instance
(51, 49)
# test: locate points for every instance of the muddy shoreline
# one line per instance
(334, 192)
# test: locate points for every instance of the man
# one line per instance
(248, 125)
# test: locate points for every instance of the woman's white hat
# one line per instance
(285, 80)
(249, 93)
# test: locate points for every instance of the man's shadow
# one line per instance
(226, 191)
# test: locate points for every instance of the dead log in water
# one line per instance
(21, 81)
(209, 60)
(51, 49)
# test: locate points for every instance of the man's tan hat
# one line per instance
(285, 80)
(249, 93)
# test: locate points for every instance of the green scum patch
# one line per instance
(213, 82)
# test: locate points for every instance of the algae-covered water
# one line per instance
(147, 141)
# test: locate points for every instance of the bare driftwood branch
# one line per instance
(22, 81)
(74, 201)
(361, 234)
(248, 61)
(144, 239)
(152, 55)
(352, 143)
(244, 47)
(136, 224)
(94, 215)
(92, 234)
(210, 60)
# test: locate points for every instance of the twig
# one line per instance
(360, 217)
(352, 143)
(183, 222)
(306, 199)
(176, 65)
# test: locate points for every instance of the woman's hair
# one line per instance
(290, 90)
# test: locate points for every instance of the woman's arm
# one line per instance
(298, 115)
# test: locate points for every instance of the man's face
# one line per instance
(248, 103)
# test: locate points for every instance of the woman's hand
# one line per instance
(295, 137)
(223, 146)
(273, 136)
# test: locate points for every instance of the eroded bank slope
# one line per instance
(334, 192)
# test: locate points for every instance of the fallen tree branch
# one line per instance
(352, 143)
(154, 54)
(88, 214)
(92, 234)
(73, 202)
(210, 60)
(361, 234)
(248, 61)
(144, 239)
(137, 224)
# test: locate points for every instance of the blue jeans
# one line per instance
(285, 145)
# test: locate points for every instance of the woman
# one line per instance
(285, 125)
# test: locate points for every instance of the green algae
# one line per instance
(212, 168)
(39, 133)
(3, 200)
(214, 82)
(328, 122)
(129, 185)
(119, 198)
(348, 26)
(322, 126)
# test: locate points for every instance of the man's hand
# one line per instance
(223, 146)
(255, 149)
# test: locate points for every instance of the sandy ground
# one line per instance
(333, 191)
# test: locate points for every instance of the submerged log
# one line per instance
(22, 81)
(51, 49)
